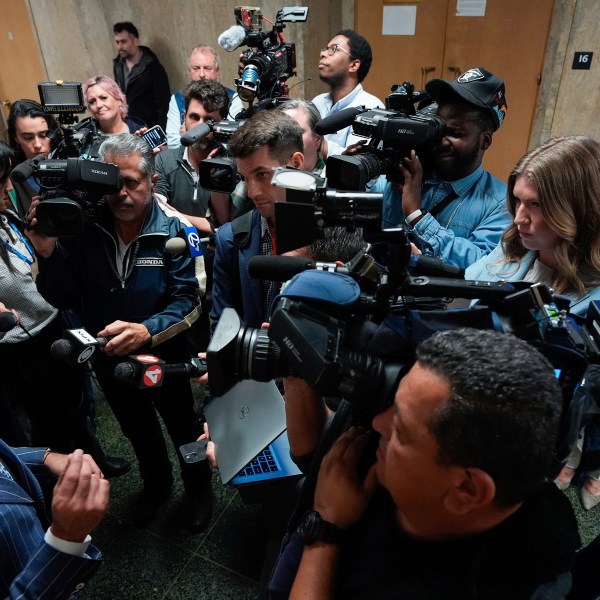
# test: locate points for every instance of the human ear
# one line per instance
(297, 160)
(486, 141)
(472, 489)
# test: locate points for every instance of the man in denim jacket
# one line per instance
(457, 212)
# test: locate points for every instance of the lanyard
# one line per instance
(16, 252)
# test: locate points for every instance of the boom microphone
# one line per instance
(420, 264)
(22, 171)
(282, 268)
(338, 120)
(189, 138)
(232, 38)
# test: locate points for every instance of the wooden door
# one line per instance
(21, 68)
(510, 41)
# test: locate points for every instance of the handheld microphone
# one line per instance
(78, 347)
(188, 241)
(7, 321)
(338, 120)
(282, 268)
(189, 138)
(232, 38)
(146, 371)
(420, 264)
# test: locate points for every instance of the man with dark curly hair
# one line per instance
(343, 65)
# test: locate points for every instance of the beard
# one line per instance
(333, 80)
(205, 145)
(455, 165)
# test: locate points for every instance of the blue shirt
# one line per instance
(465, 230)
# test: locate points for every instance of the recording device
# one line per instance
(270, 61)
(145, 371)
(77, 347)
(72, 139)
(155, 136)
(194, 452)
(72, 191)
(311, 205)
(7, 321)
(188, 241)
(393, 133)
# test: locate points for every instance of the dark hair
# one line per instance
(503, 412)
(211, 94)
(127, 26)
(271, 128)
(337, 244)
(6, 158)
(359, 49)
(25, 108)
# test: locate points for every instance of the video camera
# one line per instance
(270, 61)
(71, 191)
(65, 99)
(393, 133)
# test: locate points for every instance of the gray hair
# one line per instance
(126, 144)
(314, 116)
(205, 50)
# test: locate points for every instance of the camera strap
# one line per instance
(440, 206)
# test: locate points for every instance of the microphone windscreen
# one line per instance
(278, 268)
(62, 349)
(232, 38)
(22, 172)
(194, 134)
(338, 120)
(125, 372)
(175, 246)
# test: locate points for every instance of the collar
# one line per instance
(346, 100)
(459, 186)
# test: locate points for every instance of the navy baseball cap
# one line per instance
(333, 288)
(476, 86)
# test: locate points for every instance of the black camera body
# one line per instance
(72, 191)
(393, 132)
(269, 62)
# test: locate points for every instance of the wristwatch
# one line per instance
(313, 528)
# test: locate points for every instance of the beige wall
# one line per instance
(75, 38)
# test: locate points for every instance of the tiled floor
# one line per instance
(167, 562)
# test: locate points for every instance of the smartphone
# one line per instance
(194, 451)
(155, 136)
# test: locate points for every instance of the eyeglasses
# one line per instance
(331, 50)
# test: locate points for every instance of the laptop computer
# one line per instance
(243, 423)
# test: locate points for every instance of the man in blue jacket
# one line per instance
(144, 300)
(268, 140)
(59, 562)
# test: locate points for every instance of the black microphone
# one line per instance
(7, 321)
(338, 120)
(282, 268)
(78, 347)
(420, 264)
(232, 38)
(145, 371)
(189, 138)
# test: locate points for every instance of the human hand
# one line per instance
(211, 456)
(44, 245)
(414, 249)
(125, 337)
(356, 148)
(341, 495)
(56, 463)
(412, 170)
(79, 500)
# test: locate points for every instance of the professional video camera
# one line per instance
(393, 133)
(65, 99)
(71, 191)
(218, 174)
(270, 61)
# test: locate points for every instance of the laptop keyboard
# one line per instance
(265, 462)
